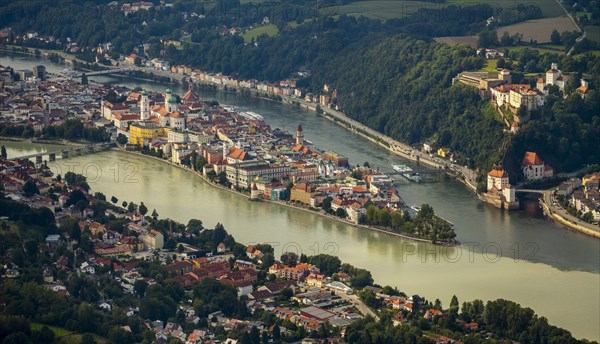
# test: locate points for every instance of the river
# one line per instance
(520, 256)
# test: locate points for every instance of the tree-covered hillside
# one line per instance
(403, 88)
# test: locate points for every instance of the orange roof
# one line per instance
(531, 158)
(498, 174)
(163, 111)
(176, 115)
(190, 96)
(237, 153)
(514, 124)
(582, 89)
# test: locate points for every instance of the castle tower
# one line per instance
(254, 192)
(144, 107)
(505, 76)
(170, 101)
(299, 135)
(552, 74)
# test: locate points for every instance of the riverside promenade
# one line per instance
(561, 216)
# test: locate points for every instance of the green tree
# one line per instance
(487, 38)
(454, 302)
(100, 196)
(327, 264)
(30, 189)
(267, 260)
(327, 204)
(114, 200)
(143, 209)
(289, 258)
(140, 288)
(16, 338)
(426, 212)
(121, 139)
(84, 79)
(286, 294)
(3, 152)
(555, 37)
(276, 334)
(397, 219)
(195, 226)
(88, 338)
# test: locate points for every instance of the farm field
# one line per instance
(455, 40)
(269, 30)
(550, 8)
(388, 9)
(538, 29)
(539, 48)
(58, 331)
(379, 9)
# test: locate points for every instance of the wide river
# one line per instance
(520, 256)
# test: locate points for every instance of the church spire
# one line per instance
(299, 135)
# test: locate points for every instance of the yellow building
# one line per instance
(302, 192)
(140, 131)
(443, 152)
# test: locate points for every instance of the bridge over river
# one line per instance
(65, 152)
(105, 72)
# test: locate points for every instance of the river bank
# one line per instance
(554, 213)
(289, 205)
(460, 174)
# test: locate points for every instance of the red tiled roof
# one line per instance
(498, 174)
(531, 158)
